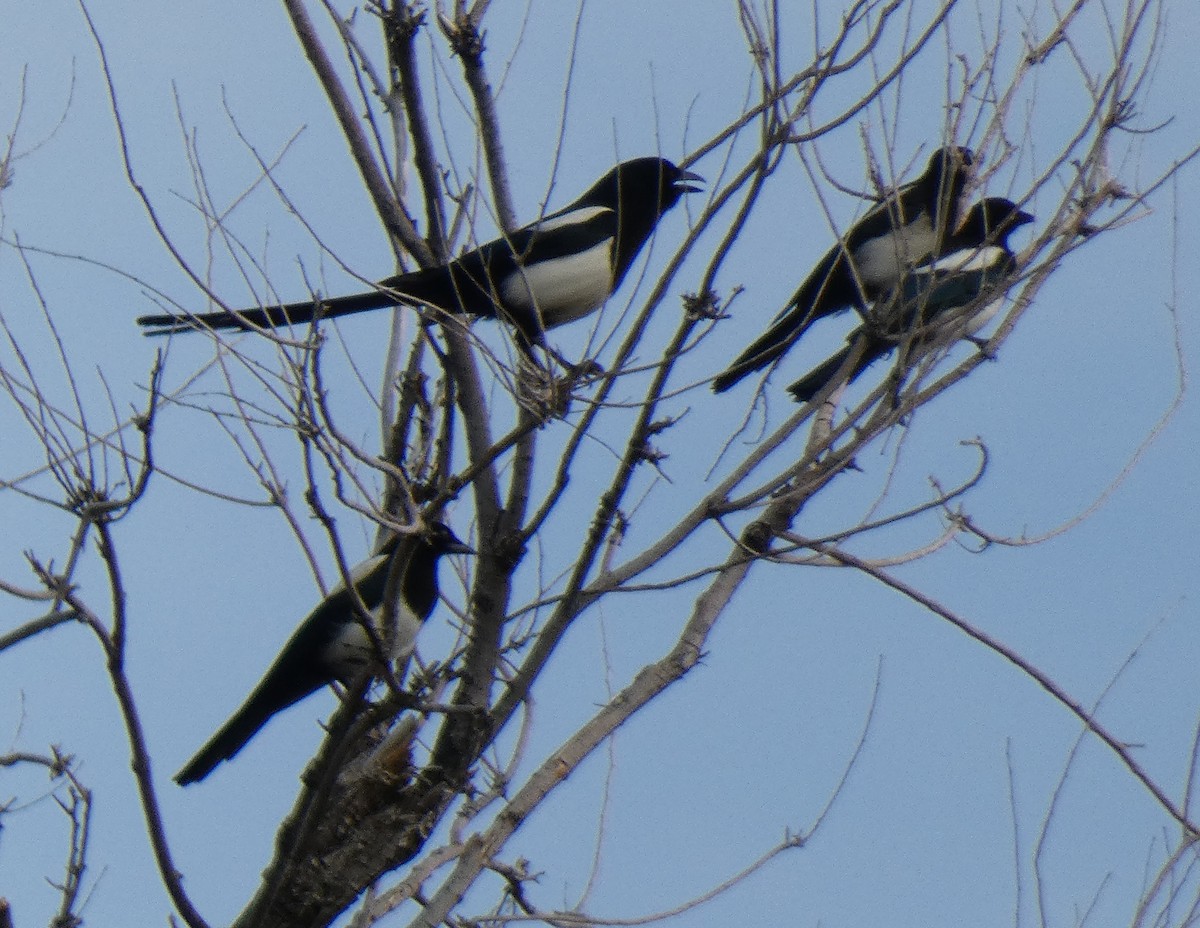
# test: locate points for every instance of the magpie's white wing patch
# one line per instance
(570, 217)
(966, 259)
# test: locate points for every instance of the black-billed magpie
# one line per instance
(923, 311)
(331, 643)
(902, 231)
(553, 271)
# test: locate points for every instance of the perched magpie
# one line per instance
(906, 228)
(936, 303)
(331, 643)
(553, 271)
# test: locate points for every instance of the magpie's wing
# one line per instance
(831, 281)
(818, 287)
(562, 235)
(480, 283)
(931, 293)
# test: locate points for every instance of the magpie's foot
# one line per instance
(548, 397)
(543, 395)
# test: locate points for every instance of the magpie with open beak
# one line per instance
(546, 274)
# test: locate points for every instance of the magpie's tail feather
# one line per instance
(866, 354)
(287, 682)
(816, 380)
(782, 334)
(229, 739)
(431, 285)
(828, 289)
(267, 317)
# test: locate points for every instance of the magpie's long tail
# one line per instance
(280, 688)
(229, 739)
(266, 317)
(422, 286)
(782, 334)
(823, 293)
(815, 380)
(865, 354)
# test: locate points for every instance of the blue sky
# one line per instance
(753, 741)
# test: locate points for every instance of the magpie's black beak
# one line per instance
(1021, 218)
(459, 547)
(686, 188)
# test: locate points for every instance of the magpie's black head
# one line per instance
(443, 541)
(953, 159)
(653, 184)
(943, 184)
(992, 219)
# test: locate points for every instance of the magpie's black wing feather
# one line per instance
(476, 283)
(933, 295)
(866, 348)
(532, 245)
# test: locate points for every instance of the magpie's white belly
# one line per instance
(564, 289)
(880, 262)
(353, 649)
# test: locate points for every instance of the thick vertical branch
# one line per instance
(402, 24)
(464, 734)
(467, 42)
(395, 220)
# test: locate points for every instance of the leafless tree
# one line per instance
(420, 785)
